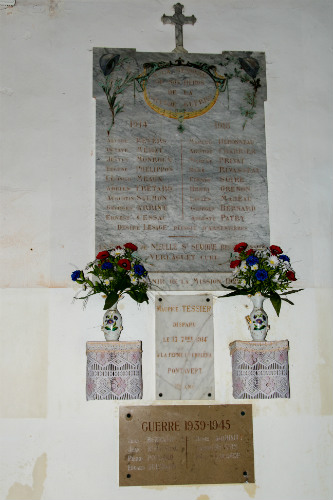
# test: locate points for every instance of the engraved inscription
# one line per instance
(170, 191)
(184, 347)
(185, 445)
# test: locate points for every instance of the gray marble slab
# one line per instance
(181, 160)
(184, 347)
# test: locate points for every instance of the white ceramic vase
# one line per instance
(112, 323)
(258, 318)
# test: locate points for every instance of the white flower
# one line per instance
(287, 266)
(273, 261)
(235, 271)
(106, 282)
(243, 265)
(276, 278)
(262, 252)
(117, 252)
(254, 267)
(242, 283)
(133, 277)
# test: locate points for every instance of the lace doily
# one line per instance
(260, 369)
(114, 370)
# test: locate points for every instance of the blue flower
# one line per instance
(284, 257)
(252, 260)
(106, 265)
(76, 275)
(139, 270)
(261, 275)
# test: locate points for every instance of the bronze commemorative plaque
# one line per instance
(204, 444)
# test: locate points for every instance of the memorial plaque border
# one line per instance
(218, 181)
(179, 445)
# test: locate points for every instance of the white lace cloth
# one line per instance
(260, 369)
(114, 370)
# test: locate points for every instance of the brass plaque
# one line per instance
(206, 444)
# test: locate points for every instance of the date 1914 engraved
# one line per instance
(177, 173)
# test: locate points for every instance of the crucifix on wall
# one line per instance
(178, 19)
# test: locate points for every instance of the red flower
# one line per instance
(235, 263)
(102, 255)
(124, 263)
(240, 247)
(131, 246)
(275, 250)
(249, 252)
(291, 275)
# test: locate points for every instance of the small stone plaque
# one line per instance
(184, 347)
(211, 444)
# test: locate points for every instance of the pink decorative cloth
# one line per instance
(114, 370)
(260, 369)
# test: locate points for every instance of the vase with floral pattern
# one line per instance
(112, 323)
(258, 319)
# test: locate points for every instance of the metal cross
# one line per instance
(178, 19)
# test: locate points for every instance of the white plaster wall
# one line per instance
(55, 445)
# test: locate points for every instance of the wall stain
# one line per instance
(251, 489)
(6, 91)
(53, 7)
(19, 491)
(203, 497)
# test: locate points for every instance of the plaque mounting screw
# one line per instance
(242, 413)
(129, 416)
(160, 299)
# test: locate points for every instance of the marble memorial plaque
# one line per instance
(184, 347)
(210, 444)
(181, 160)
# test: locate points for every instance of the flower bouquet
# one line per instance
(114, 273)
(265, 271)
(261, 273)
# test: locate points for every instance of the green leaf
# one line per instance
(86, 296)
(110, 300)
(235, 293)
(138, 295)
(276, 302)
(292, 291)
(287, 300)
(231, 287)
